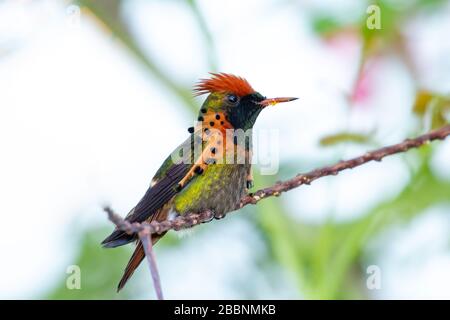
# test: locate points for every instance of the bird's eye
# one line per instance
(232, 98)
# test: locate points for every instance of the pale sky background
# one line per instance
(82, 124)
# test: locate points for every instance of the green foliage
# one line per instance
(433, 109)
(325, 259)
(325, 25)
(100, 268)
(346, 137)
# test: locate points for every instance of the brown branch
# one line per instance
(181, 222)
(145, 230)
(190, 220)
(145, 238)
(376, 155)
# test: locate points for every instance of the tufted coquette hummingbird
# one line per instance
(210, 170)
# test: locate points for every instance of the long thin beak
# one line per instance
(274, 101)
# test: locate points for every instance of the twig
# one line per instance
(376, 155)
(145, 230)
(190, 220)
(145, 237)
(181, 222)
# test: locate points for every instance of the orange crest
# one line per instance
(224, 82)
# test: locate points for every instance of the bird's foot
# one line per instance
(218, 216)
(213, 215)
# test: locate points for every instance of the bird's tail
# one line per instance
(118, 238)
(135, 260)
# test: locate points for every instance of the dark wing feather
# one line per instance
(153, 200)
(164, 189)
(160, 193)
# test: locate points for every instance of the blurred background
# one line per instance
(94, 94)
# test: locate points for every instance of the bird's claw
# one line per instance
(213, 215)
(219, 216)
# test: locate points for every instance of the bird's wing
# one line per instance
(165, 185)
(172, 178)
(157, 195)
(160, 193)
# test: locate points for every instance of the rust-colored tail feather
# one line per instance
(135, 260)
(139, 254)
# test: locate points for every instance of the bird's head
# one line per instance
(232, 103)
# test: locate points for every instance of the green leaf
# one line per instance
(326, 25)
(432, 108)
(345, 137)
(423, 98)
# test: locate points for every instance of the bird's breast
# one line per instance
(219, 188)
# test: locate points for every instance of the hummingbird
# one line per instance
(211, 170)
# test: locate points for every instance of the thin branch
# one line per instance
(190, 220)
(145, 230)
(181, 222)
(145, 237)
(376, 155)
